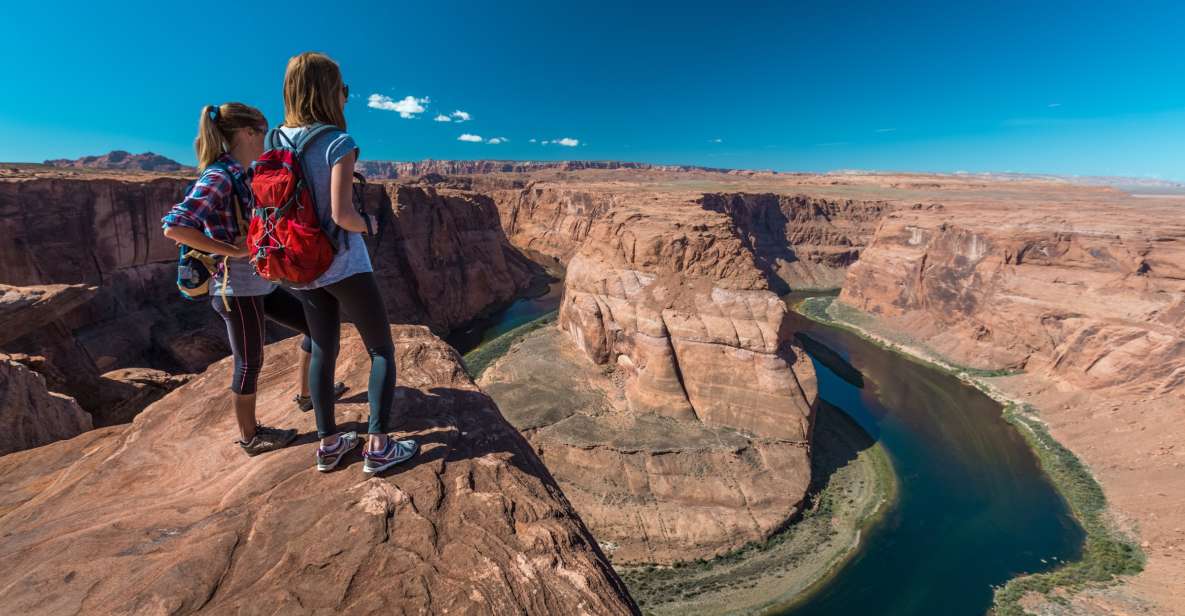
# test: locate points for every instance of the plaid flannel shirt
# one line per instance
(208, 206)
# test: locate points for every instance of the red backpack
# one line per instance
(286, 240)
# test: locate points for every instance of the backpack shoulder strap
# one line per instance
(277, 139)
(311, 135)
(240, 196)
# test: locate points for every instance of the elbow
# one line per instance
(171, 232)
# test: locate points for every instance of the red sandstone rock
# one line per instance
(166, 515)
(25, 309)
(31, 415)
(803, 242)
(442, 260)
(708, 447)
(1085, 290)
(121, 160)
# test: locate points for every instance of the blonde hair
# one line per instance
(312, 91)
(217, 125)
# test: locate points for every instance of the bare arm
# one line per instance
(196, 239)
(341, 196)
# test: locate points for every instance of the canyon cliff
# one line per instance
(166, 515)
(440, 256)
(1081, 293)
(698, 442)
(390, 169)
(123, 161)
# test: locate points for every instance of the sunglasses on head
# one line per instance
(346, 90)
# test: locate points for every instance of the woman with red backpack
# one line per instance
(210, 220)
(341, 277)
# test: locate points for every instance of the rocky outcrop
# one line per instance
(442, 259)
(121, 160)
(703, 443)
(440, 255)
(1084, 291)
(551, 220)
(166, 515)
(25, 309)
(802, 242)
(30, 414)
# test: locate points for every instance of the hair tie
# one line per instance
(215, 113)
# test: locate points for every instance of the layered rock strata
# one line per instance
(30, 414)
(1084, 291)
(802, 242)
(702, 443)
(441, 259)
(166, 514)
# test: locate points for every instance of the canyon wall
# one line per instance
(166, 514)
(802, 242)
(441, 259)
(707, 447)
(1082, 294)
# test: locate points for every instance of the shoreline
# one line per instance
(774, 575)
(1107, 552)
(853, 487)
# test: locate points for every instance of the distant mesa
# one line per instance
(390, 169)
(119, 159)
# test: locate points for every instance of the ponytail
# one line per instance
(216, 127)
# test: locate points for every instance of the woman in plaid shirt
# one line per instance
(228, 136)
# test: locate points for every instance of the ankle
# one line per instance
(377, 442)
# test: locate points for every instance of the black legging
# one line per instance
(359, 296)
(244, 327)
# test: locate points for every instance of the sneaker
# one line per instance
(327, 459)
(305, 403)
(267, 439)
(394, 453)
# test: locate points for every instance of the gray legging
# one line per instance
(359, 296)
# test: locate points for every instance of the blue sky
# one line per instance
(1073, 88)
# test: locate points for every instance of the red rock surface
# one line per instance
(123, 161)
(165, 515)
(31, 415)
(25, 309)
(1083, 289)
(442, 260)
(802, 242)
(708, 447)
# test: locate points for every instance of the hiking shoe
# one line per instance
(305, 403)
(267, 439)
(327, 459)
(394, 453)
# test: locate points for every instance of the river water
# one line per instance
(973, 508)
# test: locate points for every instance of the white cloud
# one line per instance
(716, 140)
(497, 140)
(460, 116)
(440, 117)
(408, 107)
(470, 138)
(567, 141)
(531, 140)
(885, 130)
(1052, 105)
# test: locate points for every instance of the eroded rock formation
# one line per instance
(441, 258)
(30, 414)
(702, 442)
(1082, 289)
(166, 515)
(121, 160)
(802, 242)
(390, 169)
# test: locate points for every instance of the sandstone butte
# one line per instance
(164, 515)
(673, 290)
